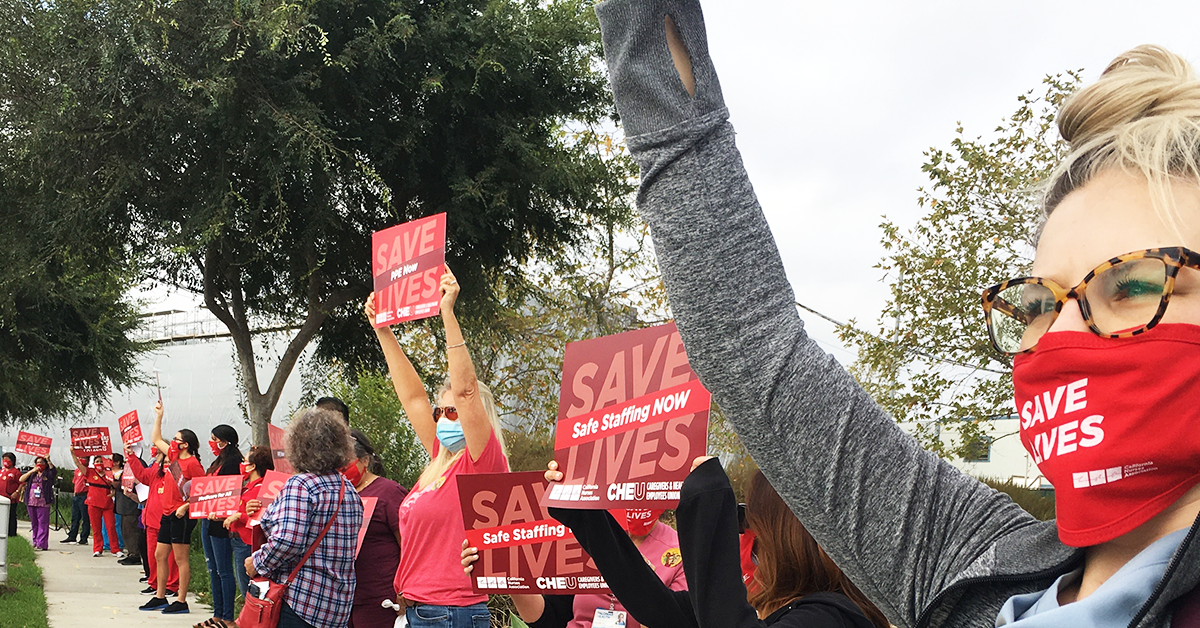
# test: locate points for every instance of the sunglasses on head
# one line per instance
(449, 411)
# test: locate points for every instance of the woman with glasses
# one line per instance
(462, 434)
(1106, 335)
(175, 528)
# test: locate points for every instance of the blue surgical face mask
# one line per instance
(450, 435)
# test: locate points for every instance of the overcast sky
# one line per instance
(834, 103)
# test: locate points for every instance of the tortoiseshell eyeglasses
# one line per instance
(1122, 297)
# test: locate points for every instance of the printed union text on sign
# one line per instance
(131, 429)
(32, 444)
(90, 441)
(215, 494)
(521, 549)
(632, 416)
(407, 262)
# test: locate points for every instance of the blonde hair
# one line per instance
(445, 457)
(1141, 117)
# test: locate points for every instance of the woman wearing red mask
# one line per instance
(153, 477)
(246, 539)
(379, 556)
(214, 537)
(10, 486)
(175, 527)
(39, 487)
(99, 502)
(1105, 334)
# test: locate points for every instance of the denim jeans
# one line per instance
(218, 557)
(429, 616)
(79, 516)
(241, 551)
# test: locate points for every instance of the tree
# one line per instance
(250, 149)
(932, 363)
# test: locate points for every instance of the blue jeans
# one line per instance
(241, 551)
(429, 616)
(79, 516)
(218, 557)
(120, 536)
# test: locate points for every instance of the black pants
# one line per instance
(79, 514)
(142, 550)
(12, 519)
(129, 532)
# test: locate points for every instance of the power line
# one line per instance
(877, 338)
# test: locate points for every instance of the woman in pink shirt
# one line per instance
(461, 435)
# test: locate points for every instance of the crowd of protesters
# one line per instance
(835, 539)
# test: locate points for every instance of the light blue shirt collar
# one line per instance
(1114, 603)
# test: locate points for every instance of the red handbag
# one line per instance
(263, 612)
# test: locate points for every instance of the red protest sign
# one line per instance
(369, 504)
(407, 263)
(279, 450)
(215, 494)
(273, 481)
(632, 416)
(33, 444)
(128, 481)
(521, 549)
(131, 429)
(90, 441)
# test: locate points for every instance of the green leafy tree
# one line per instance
(932, 364)
(246, 151)
(376, 411)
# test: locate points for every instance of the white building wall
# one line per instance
(1007, 459)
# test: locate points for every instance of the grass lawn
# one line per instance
(22, 601)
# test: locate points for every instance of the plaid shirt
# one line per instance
(323, 592)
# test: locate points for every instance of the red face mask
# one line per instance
(216, 447)
(8, 463)
(245, 472)
(1112, 424)
(173, 451)
(40, 466)
(352, 473)
(636, 521)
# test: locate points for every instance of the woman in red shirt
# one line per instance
(153, 477)
(99, 503)
(175, 527)
(246, 539)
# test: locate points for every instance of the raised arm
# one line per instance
(901, 523)
(476, 425)
(410, 390)
(156, 435)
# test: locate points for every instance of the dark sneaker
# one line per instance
(176, 608)
(171, 593)
(130, 560)
(67, 540)
(155, 603)
(144, 579)
(83, 542)
(149, 591)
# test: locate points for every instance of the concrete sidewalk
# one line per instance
(86, 591)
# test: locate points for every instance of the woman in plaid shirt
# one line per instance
(322, 594)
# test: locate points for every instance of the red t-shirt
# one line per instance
(177, 483)
(99, 491)
(430, 559)
(80, 480)
(243, 531)
(10, 479)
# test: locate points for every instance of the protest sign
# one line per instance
(368, 510)
(521, 549)
(90, 441)
(33, 444)
(215, 494)
(278, 450)
(131, 429)
(128, 481)
(632, 415)
(407, 264)
(272, 482)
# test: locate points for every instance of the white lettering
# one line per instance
(1027, 414)
(1076, 396)
(1052, 402)
(1066, 437)
(1090, 427)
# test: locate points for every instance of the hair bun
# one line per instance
(1148, 81)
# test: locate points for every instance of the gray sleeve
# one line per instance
(902, 523)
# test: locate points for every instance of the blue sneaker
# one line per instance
(154, 604)
(176, 608)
